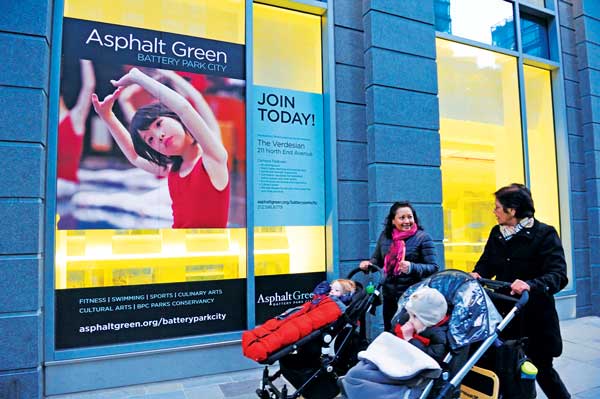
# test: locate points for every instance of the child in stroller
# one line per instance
(326, 345)
(422, 328)
(473, 318)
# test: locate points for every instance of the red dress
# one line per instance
(70, 147)
(196, 202)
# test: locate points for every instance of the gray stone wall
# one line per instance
(586, 17)
(351, 135)
(24, 74)
(387, 120)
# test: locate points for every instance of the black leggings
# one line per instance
(390, 306)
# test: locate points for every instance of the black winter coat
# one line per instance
(536, 256)
(420, 252)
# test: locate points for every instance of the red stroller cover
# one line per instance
(259, 343)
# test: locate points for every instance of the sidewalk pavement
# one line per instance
(579, 367)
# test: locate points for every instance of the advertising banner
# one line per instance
(288, 162)
(275, 294)
(118, 167)
(151, 172)
(115, 315)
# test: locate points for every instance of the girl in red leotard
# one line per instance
(175, 139)
(71, 125)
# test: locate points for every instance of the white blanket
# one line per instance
(397, 358)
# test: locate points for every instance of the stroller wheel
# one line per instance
(263, 394)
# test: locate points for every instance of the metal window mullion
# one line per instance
(330, 142)
(522, 94)
(49, 261)
(250, 283)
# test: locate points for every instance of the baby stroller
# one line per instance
(313, 363)
(504, 371)
(473, 318)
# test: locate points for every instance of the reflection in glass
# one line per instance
(541, 145)
(480, 132)
(534, 36)
(487, 21)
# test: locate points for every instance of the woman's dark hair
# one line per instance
(143, 118)
(389, 227)
(518, 197)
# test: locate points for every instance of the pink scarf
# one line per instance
(391, 262)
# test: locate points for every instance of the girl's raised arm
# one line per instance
(186, 89)
(120, 134)
(125, 101)
(81, 110)
(199, 128)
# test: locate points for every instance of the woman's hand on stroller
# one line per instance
(518, 286)
(364, 265)
(475, 275)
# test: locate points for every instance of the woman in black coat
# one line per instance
(529, 254)
(405, 252)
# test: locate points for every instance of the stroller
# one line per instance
(504, 371)
(473, 319)
(313, 363)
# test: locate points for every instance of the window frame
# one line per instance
(554, 66)
(57, 358)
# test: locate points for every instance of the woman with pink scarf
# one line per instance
(406, 253)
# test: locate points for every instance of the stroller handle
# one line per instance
(495, 284)
(371, 269)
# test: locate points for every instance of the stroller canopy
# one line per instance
(473, 316)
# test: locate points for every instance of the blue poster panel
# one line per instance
(288, 158)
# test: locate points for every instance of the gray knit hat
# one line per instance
(428, 305)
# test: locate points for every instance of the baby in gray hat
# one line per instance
(425, 322)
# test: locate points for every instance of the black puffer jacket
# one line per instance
(420, 252)
(536, 256)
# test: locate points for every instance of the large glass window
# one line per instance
(480, 131)
(541, 145)
(289, 196)
(151, 225)
(483, 97)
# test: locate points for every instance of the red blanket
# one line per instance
(258, 344)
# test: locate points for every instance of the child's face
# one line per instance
(166, 135)
(417, 324)
(336, 289)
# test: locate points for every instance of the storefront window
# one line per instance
(541, 145)
(480, 131)
(486, 21)
(289, 189)
(151, 226)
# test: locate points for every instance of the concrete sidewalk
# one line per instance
(579, 367)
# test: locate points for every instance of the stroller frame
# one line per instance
(454, 383)
(346, 329)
